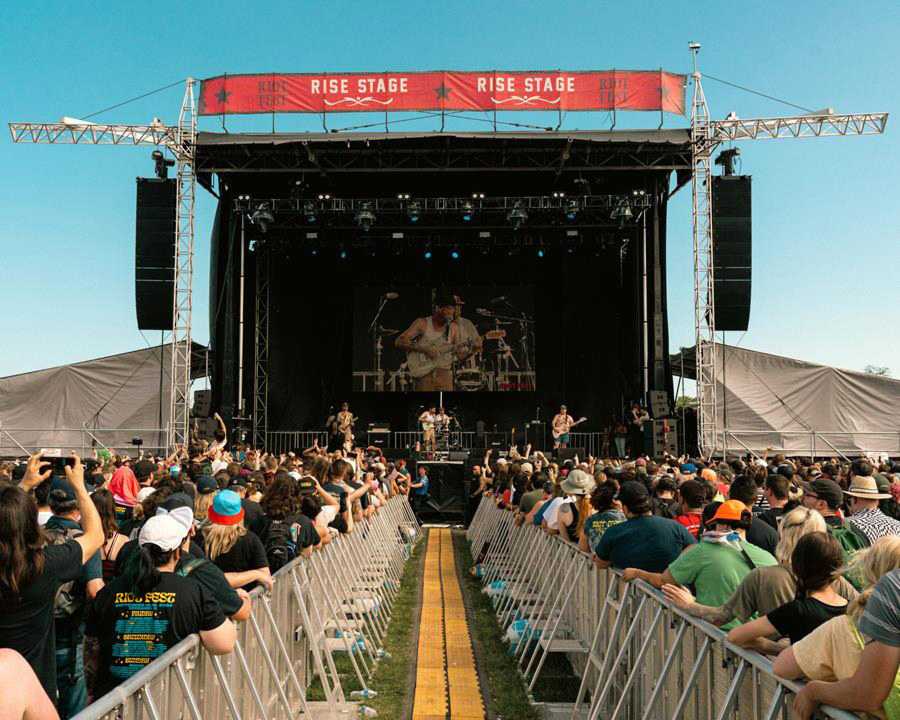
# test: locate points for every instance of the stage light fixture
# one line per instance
(571, 210)
(427, 255)
(261, 217)
(518, 215)
(540, 252)
(468, 212)
(403, 196)
(161, 165)
(478, 196)
(622, 212)
(309, 210)
(454, 254)
(342, 253)
(726, 159)
(413, 211)
(559, 195)
(365, 218)
(324, 197)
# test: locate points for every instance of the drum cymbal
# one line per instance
(387, 331)
(495, 334)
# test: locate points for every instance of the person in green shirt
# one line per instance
(718, 563)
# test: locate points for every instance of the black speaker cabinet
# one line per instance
(154, 256)
(732, 251)
(202, 403)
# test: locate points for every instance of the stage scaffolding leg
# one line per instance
(261, 359)
(180, 378)
(702, 145)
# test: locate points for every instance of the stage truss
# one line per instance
(705, 136)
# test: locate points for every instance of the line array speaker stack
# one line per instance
(154, 253)
(663, 437)
(732, 251)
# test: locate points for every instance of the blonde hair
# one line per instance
(583, 503)
(870, 565)
(221, 538)
(797, 523)
(202, 504)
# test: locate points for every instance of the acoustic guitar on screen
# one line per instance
(421, 363)
(557, 434)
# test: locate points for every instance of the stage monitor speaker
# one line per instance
(497, 440)
(202, 403)
(659, 403)
(563, 454)
(154, 256)
(458, 455)
(379, 438)
(732, 251)
(663, 437)
(536, 434)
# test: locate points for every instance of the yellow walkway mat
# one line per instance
(446, 680)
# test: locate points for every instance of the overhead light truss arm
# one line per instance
(801, 126)
(64, 133)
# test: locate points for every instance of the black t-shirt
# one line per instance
(771, 516)
(802, 615)
(248, 553)
(762, 535)
(304, 531)
(209, 575)
(254, 517)
(26, 622)
(135, 630)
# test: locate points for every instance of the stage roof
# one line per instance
(440, 163)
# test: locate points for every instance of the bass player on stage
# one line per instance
(561, 424)
(345, 421)
(431, 345)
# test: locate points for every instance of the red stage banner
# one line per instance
(444, 90)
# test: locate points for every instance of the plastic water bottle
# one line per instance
(364, 694)
(367, 712)
(382, 653)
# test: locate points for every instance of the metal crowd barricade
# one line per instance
(278, 441)
(338, 600)
(639, 658)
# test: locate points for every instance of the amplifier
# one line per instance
(457, 455)
(496, 439)
(379, 438)
(379, 427)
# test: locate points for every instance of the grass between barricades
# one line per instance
(392, 674)
(394, 678)
(505, 695)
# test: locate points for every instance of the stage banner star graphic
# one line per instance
(515, 90)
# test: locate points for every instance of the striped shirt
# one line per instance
(874, 524)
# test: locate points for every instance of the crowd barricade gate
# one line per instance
(285, 642)
(638, 657)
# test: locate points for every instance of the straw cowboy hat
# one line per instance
(866, 488)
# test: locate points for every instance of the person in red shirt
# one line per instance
(693, 498)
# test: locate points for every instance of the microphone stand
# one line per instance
(377, 346)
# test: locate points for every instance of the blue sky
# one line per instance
(826, 245)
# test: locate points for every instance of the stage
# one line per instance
(580, 281)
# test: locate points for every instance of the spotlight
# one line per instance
(413, 210)
(540, 252)
(468, 211)
(571, 210)
(726, 160)
(403, 196)
(454, 254)
(518, 215)
(161, 165)
(622, 212)
(324, 197)
(342, 253)
(261, 217)
(365, 218)
(309, 210)
(427, 255)
(559, 194)
(478, 196)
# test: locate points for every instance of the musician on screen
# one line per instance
(431, 344)
(562, 423)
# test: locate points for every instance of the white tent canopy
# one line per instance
(798, 407)
(104, 401)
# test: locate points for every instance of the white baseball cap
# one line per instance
(184, 516)
(164, 531)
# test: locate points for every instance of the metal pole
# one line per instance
(646, 320)
(240, 387)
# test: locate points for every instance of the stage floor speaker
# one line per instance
(154, 253)
(732, 251)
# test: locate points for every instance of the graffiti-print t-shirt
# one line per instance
(133, 630)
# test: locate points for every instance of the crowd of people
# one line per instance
(108, 562)
(796, 559)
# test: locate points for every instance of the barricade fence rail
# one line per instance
(638, 656)
(337, 601)
(85, 440)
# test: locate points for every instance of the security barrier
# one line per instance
(338, 600)
(638, 656)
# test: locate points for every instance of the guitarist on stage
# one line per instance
(561, 424)
(345, 421)
(434, 337)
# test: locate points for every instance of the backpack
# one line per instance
(280, 544)
(851, 541)
(69, 599)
